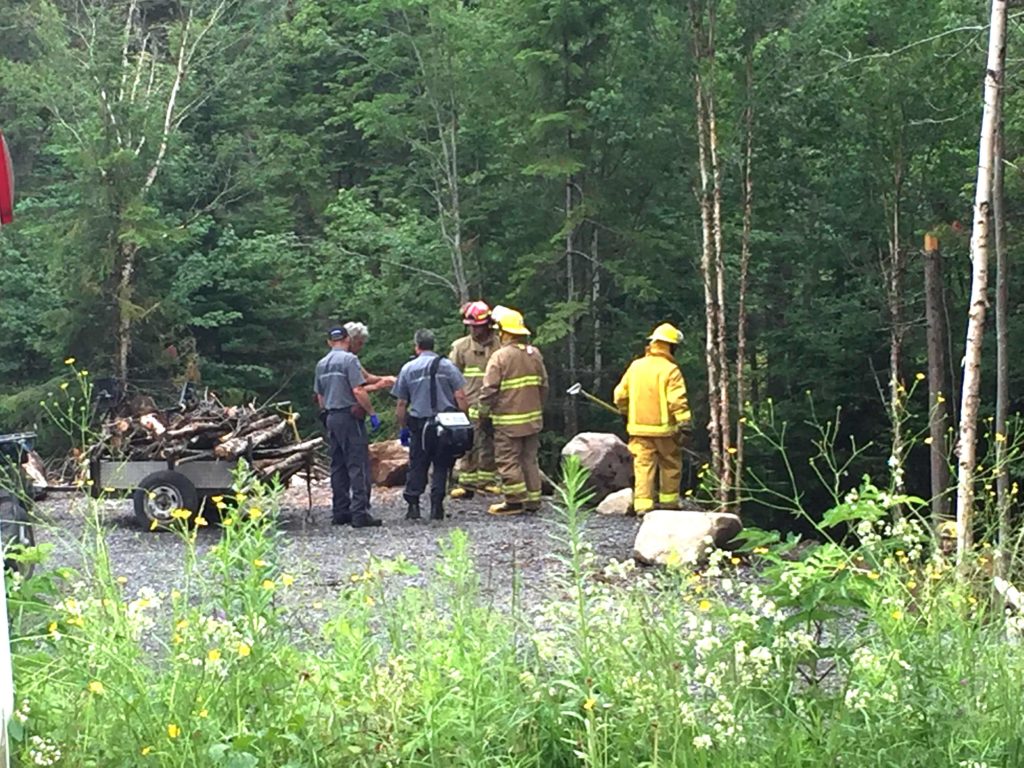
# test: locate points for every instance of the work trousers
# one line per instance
(477, 468)
(659, 456)
(425, 453)
(350, 465)
(518, 466)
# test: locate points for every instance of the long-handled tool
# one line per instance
(577, 389)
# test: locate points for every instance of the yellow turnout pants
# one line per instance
(660, 455)
(518, 466)
(477, 468)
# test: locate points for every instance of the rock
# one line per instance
(607, 458)
(618, 503)
(678, 536)
(389, 463)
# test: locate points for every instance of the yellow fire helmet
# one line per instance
(668, 333)
(510, 321)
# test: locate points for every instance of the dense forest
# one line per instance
(205, 185)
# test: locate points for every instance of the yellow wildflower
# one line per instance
(201, 521)
(589, 704)
(734, 560)
(928, 441)
(897, 614)
(180, 514)
(146, 751)
(64, 385)
(259, 563)
(268, 584)
(76, 621)
(69, 361)
(244, 649)
(873, 575)
(731, 449)
(173, 731)
(213, 654)
(911, 585)
(287, 579)
(255, 513)
(96, 687)
(1000, 437)
(228, 521)
(760, 550)
(704, 605)
(204, 713)
(122, 579)
(919, 376)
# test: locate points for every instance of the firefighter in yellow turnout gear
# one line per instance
(652, 395)
(477, 470)
(512, 399)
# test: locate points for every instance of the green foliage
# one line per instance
(877, 653)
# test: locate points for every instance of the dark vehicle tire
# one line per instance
(159, 494)
(15, 533)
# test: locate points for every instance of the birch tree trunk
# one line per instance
(1002, 556)
(979, 282)
(571, 414)
(741, 310)
(938, 409)
(595, 309)
(707, 261)
(894, 290)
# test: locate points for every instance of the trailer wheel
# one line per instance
(16, 534)
(159, 494)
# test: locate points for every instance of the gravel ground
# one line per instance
(323, 556)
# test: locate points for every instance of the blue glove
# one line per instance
(404, 436)
(374, 422)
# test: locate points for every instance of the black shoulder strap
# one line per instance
(434, 365)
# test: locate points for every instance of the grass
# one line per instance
(874, 653)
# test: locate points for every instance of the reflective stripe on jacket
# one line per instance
(652, 392)
(514, 389)
(471, 358)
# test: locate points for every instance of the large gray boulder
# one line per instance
(607, 458)
(669, 536)
(389, 463)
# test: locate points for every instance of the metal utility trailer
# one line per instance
(160, 487)
(16, 491)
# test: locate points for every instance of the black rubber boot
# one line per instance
(365, 521)
(413, 512)
(436, 510)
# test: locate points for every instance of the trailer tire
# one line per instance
(15, 530)
(159, 494)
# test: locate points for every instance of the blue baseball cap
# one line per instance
(338, 333)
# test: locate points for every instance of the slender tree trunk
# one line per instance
(571, 414)
(894, 284)
(595, 310)
(938, 410)
(707, 261)
(724, 417)
(123, 299)
(1002, 555)
(741, 311)
(979, 282)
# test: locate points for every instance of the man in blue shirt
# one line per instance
(340, 389)
(425, 373)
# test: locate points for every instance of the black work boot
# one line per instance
(436, 510)
(414, 511)
(365, 520)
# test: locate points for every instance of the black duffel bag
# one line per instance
(452, 429)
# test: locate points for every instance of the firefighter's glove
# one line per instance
(685, 437)
(374, 422)
(404, 436)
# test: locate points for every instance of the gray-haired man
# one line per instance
(416, 407)
(340, 389)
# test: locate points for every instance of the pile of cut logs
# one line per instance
(269, 441)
